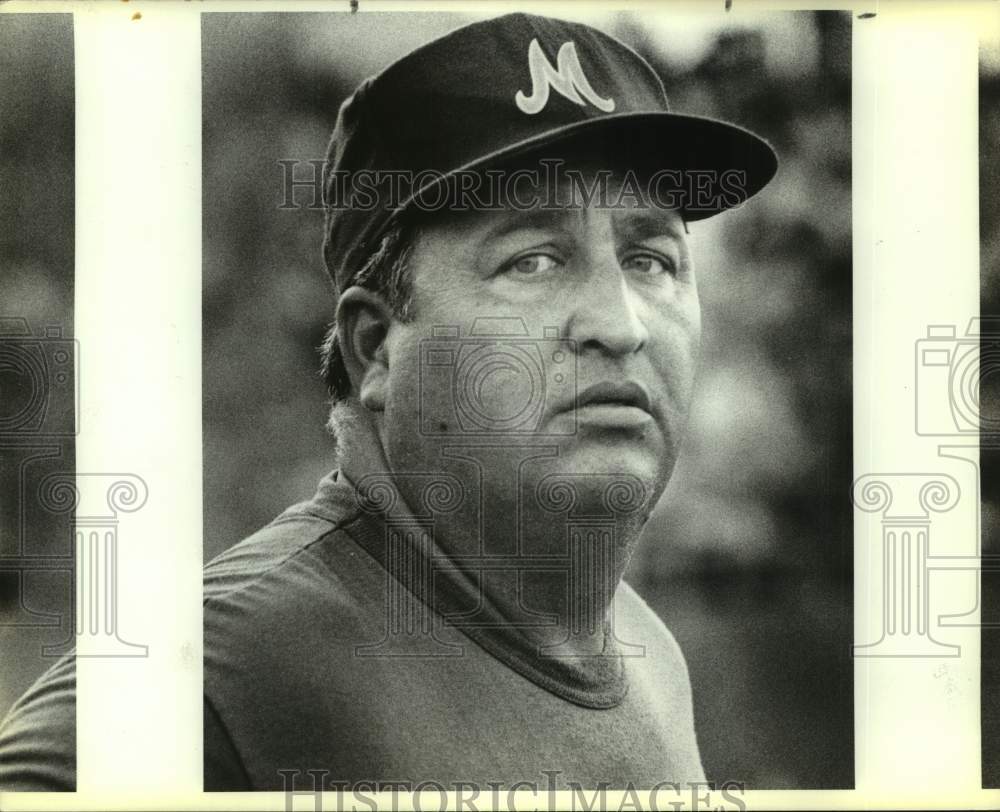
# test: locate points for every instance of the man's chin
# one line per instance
(614, 456)
(587, 480)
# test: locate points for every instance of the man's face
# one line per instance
(616, 285)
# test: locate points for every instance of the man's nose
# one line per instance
(606, 313)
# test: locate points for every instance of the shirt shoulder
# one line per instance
(38, 736)
(274, 590)
(631, 602)
(283, 610)
(663, 652)
(274, 546)
(661, 674)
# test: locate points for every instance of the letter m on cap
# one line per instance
(567, 79)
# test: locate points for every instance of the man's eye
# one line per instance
(647, 264)
(532, 264)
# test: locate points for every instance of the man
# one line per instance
(511, 364)
(516, 328)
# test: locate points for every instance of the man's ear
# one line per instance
(363, 320)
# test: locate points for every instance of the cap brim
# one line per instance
(740, 162)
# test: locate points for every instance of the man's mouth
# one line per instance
(613, 404)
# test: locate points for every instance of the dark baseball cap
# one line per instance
(503, 88)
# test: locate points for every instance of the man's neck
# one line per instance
(543, 554)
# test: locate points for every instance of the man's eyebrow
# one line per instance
(636, 223)
(647, 223)
(540, 218)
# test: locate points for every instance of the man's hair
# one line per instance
(387, 273)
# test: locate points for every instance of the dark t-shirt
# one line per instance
(38, 736)
(315, 659)
(306, 669)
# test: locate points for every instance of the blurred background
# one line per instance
(748, 558)
(36, 294)
(989, 401)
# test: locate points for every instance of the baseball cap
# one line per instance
(502, 88)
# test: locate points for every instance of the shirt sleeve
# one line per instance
(38, 736)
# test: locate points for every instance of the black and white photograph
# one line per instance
(619, 449)
(38, 404)
(989, 402)
(499, 405)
